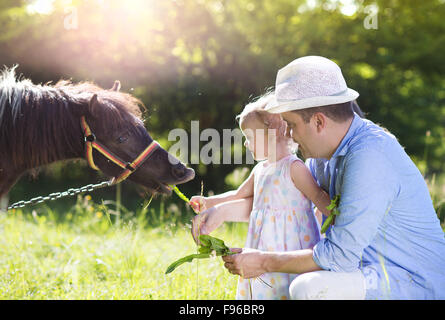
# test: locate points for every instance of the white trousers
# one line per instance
(328, 285)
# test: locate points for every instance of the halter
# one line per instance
(91, 142)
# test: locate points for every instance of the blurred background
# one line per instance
(205, 59)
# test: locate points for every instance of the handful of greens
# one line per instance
(209, 246)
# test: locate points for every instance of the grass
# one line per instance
(436, 185)
(93, 253)
(103, 251)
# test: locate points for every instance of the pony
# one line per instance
(41, 124)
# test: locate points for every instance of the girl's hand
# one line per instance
(198, 204)
(206, 222)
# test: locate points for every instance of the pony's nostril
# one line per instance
(178, 171)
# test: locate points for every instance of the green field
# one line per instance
(92, 253)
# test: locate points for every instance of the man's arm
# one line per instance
(299, 261)
(252, 263)
(369, 186)
(368, 189)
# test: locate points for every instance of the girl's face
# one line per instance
(256, 139)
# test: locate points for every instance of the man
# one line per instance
(387, 242)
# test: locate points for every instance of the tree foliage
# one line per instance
(205, 59)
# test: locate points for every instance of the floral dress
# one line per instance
(282, 219)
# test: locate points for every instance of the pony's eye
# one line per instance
(123, 138)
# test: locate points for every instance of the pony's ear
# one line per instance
(101, 108)
(93, 99)
(116, 86)
(86, 109)
(93, 105)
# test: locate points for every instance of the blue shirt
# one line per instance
(387, 226)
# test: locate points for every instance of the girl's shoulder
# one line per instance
(258, 169)
(295, 163)
(297, 169)
(259, 166)
(281, 167)
(293, 158)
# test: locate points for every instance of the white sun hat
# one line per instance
(308, 82)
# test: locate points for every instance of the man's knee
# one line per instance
(308, 286)
(328, 285)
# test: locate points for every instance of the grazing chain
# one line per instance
(58, 195)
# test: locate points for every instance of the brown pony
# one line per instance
(40, 124)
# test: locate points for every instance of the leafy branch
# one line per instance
(210, 246)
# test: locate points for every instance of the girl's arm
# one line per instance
(236, 210)
(245, 190)
(210, 219)
(304, 182)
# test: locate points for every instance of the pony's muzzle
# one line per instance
(179, 171)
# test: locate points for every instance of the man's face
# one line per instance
(302, 133)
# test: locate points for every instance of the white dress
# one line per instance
(282, 219)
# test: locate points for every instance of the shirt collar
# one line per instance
(344, 144)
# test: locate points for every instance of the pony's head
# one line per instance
(115, 119)
(41, 124)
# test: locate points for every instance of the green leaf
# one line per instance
(327, 223)
(217, 243)
(185, 259)
(205, 240)
(335, 212)
(204, 249)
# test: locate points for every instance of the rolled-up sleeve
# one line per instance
(368, 188)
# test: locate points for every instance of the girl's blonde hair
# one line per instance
(255, 110)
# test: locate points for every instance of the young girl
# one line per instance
(278, 191)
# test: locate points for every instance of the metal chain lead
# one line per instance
(58, 195)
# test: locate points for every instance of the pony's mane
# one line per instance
(35, 117)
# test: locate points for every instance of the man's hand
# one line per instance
(251, 263)
(248, 263)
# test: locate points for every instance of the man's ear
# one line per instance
(116, 86)
(320, 121)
